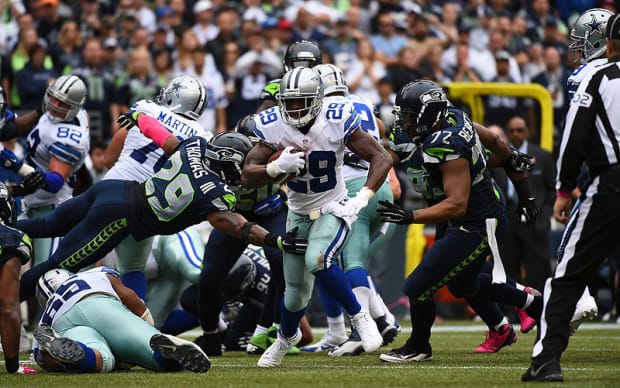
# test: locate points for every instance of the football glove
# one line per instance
(270, 205)
(527, 211)
(10, 160)
(289, 162)
(518, 162)
(128, 119)
(31, 183)
(393, 213)
(353, 206)
(289, 243)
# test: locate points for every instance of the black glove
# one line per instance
(354, 160)
(518, 162)
(290, 243)
(527, 211)
(394, 213)
(128, 119)
(31, 183)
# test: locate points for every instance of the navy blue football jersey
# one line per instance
(247, 199)
(14, 242)
(181, 194)
(458, 139)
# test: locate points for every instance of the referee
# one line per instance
(591, 136)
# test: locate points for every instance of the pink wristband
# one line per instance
(563, 194)
(152, 129)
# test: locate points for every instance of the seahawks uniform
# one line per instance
(319, 185)
(67, 142)
(139, 159)
(14, 243)
(575, 78)
(181, 194)
(75, 311)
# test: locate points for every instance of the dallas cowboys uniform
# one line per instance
(575, 78)
(181, 194)
(68, 142)
(319, 186)
(139, 159)
(75, 311)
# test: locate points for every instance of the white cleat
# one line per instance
(352, 347)
(367, 330)
(585, 310)
(275, 353)
(327, 343)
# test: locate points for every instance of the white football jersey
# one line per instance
(364, 109)
(320, 182)
(140, 157)
(67, 142)
(578, 75)
(76, 288)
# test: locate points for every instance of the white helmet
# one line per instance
(300, 97)
(49, 282)
(332, 78)
(185, 95)
(64, 98)
(588, 35)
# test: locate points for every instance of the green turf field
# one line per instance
(592, 360)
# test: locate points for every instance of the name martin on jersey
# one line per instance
(173, 122)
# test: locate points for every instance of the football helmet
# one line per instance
(226, 154)
(184, 94)
(8, 207)
(588, 35)
(300, 97)
(49, 283)
(419, 107)
(303, 53)
(246, 125)
(332, 78)
(239, 279)
(64, 98)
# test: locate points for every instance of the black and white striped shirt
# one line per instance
(592, 128)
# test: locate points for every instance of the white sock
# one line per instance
(335, 326)
(260, 329)
(500, 324)
(377, 305)
(362, 294)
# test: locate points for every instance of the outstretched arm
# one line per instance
(151, 128)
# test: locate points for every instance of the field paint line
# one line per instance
(410, 365)
(454, 329)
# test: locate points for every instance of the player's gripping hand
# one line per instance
(10, 160)
(519, 162)
(353, 206)
(289, 162)
(270, 205)
(527, 211)
(394, 213)
(128, 119)
(289, 243)
(31, 183)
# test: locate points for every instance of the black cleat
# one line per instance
(548, 371)
(210, 344)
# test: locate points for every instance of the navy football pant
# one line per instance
(92, 224)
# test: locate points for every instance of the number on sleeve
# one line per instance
(334, 111)
(268, 116)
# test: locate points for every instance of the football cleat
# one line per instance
(367, 330)
(585, 310)
(497, 339)
(187, 354)
(275, 353)
(548, 371)
(352, 347)
(388, 331)
(64, 350)
(26, 370)
(260, 342)
(407, 354)
(327, 343)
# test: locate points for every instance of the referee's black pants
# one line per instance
(592, 232)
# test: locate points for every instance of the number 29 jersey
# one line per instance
(320, 182)
(67, 142)
(182, 193)
(140, 157)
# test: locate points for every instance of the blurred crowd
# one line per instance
(126, 50)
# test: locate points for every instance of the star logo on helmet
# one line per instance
(176, 87)
(594, 25)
